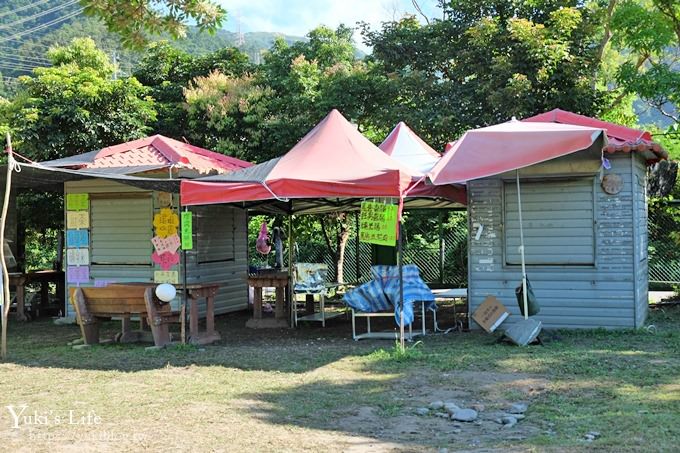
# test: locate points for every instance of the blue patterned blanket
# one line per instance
(382, 293)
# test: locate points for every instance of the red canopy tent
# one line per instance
(333, 161)
(404, 145)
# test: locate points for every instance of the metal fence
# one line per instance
(664, 242)
(436, 241)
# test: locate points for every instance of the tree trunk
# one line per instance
(343, 237)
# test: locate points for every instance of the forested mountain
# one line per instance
(21, 49)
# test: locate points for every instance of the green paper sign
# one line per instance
(378, 223)
(77, 201)
(187, 231)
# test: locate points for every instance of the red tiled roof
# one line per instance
(159, 151)
(620, 138)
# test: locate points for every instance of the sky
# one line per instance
(297, 17)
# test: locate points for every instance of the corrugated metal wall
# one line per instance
(120, 232)
(571, 296)
(122, 227)
(220, 254)
(642, 243)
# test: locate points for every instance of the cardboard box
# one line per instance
(490, 314)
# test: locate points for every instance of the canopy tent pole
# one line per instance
(521, 249)
(291, 293)
(400, 252)
(6, 302)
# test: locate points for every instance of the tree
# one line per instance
(485, 62)
(227, 113)
(167, 71)
(75, 106)
(135, 20)
(642, 37)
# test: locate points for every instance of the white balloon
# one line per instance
(166, 292)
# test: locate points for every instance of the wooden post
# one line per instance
(257, 302)
(6, 302)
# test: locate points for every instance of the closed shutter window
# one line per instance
(215, 236)
(121, 231)
(558, 222)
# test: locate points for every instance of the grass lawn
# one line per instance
(316, 390)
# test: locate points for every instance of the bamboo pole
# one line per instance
(521, 250)
(5, 273)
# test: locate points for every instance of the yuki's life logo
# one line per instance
(23, 416)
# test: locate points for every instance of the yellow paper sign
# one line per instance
(166, 223)
(166, 277)
(77, 201)
(378, 223)
(77, 219)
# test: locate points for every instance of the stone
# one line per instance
(591, 436)
(508, 420)
(456, 431)
(457, 425)
(451, 408)
(81, 346)
(443, 450)
(524, 331)
(479, 407)
(465, 415)
(441, 415)
(499, 421)
(518, 408)
(435, 405)
(422, 411)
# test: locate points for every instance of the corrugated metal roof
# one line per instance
(621, 138)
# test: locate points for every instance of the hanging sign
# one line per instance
(164, 199)
(378, 223)
(78, 257)
(78, 274)
(165, 260)
(77, 219)
(77, 201)
(77, 238)
(169, 244)
(166, 223)
(187, 231)
(166, 277)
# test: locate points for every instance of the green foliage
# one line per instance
(485, 63)
(74, 107)
(168, 71)
(135, 20)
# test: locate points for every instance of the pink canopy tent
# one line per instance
(333, 161)
(509, 146)
(404, 145)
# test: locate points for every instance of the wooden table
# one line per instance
(194, 292)
(18, 280)
(277, 280)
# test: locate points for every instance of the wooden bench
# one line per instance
(123, 301)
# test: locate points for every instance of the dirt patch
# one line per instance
(483, 391)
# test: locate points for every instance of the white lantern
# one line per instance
(166, 292)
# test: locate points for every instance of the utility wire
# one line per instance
(23, 59)
(40, 27)
(37, 15)
(21, 8)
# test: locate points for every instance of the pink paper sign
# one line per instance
(78, 274)
(165, 260)
(169, 244)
